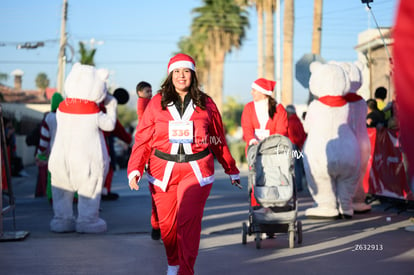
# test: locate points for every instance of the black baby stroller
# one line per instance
(271, 181)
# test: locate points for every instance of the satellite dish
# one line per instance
(302, 72)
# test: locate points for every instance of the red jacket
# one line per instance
(249, 122)
(152, 133)
(403, 54)
(296, 133)
(141, 105)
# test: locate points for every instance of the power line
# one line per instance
(122, 62)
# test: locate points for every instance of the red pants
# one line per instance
(154, 215)
(108, 179)
(180, 210)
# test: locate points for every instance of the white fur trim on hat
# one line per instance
(181, 60)
(181, 64)
(264, 86)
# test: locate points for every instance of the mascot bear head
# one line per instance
(328, 80)
(86, 82)
(353, 70)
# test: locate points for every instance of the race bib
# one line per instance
(180, 131)
(261, 134)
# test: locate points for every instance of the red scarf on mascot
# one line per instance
(78, 106)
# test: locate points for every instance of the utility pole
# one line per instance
(260, 45)
(62, 53)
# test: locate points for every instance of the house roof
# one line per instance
(12, 95)
(375, 40)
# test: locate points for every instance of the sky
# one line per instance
(136, 39)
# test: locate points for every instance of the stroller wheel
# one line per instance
(299, 230)
(244, 233)
(258, 240)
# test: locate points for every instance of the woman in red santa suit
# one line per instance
(403, 54)
(173, 138)
(262, 117)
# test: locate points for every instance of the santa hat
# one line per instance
(181, 61)
(264, 86)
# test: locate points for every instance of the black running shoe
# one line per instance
(155, 234)
(110, 197)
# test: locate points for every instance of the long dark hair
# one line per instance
(272, 106)
(169, 94)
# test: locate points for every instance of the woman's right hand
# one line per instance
(253, 142)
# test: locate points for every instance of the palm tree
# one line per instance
(288, 29)
(260, 25)
(260, 46)
(269, 7)
(194, 45)
(265, 52)
(316, 33)
(3, 76)
(86, 56)
(42, 82)
(222, 24)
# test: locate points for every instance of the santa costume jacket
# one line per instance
(250, 122)
(153, 134)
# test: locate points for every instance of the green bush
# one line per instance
(237, 151)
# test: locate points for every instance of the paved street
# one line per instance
(372, 243)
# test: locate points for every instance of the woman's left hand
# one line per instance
(133, 184)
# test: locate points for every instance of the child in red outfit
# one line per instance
(173, 138)
(297, 136)
(144, 93)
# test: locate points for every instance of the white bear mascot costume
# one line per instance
(331, 151)
(79, 158)
(357, 122)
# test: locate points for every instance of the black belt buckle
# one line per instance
(181, 158)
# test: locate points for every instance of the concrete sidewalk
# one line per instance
(372, 243)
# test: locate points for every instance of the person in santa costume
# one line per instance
(262, 117)
(173, 138)
(297, 136)
(403, 75)
(144, 93)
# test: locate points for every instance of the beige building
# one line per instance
(375, 57)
